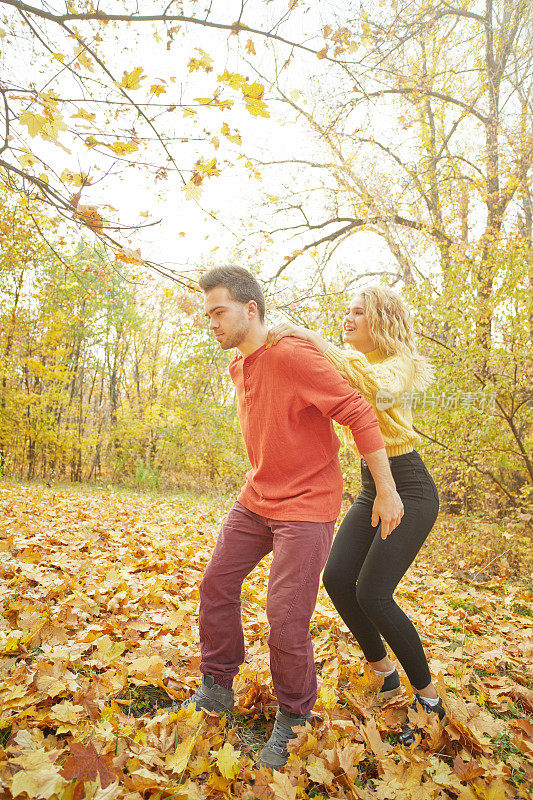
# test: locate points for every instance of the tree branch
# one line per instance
(102, 16)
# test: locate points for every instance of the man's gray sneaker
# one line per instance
(274, 753)
(210, 696)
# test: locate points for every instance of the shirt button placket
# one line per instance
(246, 373)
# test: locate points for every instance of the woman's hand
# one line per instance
(286, 329)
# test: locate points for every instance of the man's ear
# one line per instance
(252, 309)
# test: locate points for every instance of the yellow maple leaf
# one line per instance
(132, 80)
(38, 777)
(204, 62)
(82, 114)
(131, 256)
(122, 148)
(73, 177)
(27, 159)
(52, 127)
(157, 89)
(253, 97)
(208, 167)
(282, 787)
(256, 107)
(255, 90)
(109, 650)
(327, 696)
(34, 122)
(178, 760)
(319, 773)
(377, 745)
(189, 112)
(84, 60)
(66, 711)
(228, 761)
(233, 79)
(151, 667)
(233, 137)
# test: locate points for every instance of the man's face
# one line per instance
(228, 319)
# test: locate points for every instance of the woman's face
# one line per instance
(355, 327)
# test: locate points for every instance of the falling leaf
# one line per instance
(132, 80)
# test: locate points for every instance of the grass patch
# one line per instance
(144, 700)
(464, 604)
(5, 734)
(504, 748)
(525, 611)
(251, 735)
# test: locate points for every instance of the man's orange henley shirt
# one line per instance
(287, 396)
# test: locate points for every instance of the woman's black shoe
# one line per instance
(408, 734)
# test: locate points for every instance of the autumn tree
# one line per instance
(425, 145)
(105, 374)
(108, 90)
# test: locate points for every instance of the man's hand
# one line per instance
(388, 508)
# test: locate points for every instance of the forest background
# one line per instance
(392, 142)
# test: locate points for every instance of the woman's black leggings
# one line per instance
(363, 570)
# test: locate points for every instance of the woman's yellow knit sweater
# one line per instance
(370, 372)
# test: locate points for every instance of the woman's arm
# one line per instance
(287, 329)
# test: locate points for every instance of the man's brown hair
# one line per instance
(240, 283)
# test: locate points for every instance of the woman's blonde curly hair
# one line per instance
(391, 329)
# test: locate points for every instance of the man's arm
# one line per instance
(322, 386)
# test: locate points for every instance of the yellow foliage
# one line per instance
(123, 148)
(132, 80)
(227, 759)
(82, 114)
(233, 137)
(204, 63)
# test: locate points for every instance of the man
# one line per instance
(286, 397)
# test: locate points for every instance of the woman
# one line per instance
(363, 569)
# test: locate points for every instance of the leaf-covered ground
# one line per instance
(98, 640)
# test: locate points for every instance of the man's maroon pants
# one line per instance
(300, 551)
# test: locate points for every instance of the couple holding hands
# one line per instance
(290, 384)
